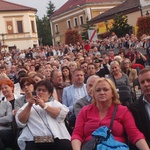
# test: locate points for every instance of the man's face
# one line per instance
(89, 85)
(57, 78)
(84, 67)
(78, 77)
(144, 81)
(91, 70)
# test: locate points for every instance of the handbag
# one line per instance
(102, 139)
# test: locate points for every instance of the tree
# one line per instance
(44, 31)
(143, 24)
(43, 26)
(72, 36)
(120, 26)
(85, 27)
(50, 9)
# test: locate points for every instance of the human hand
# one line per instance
(40, 101)
(32, 100)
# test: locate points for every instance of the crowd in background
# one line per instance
(68, 70)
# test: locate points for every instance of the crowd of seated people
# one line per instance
(54, 86)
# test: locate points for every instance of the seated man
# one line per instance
(76, 91)
(141, 108)
(86, 99)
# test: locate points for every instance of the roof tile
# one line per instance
(8, 6)
(127, 5)
(71, 4)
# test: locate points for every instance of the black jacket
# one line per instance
(141, 117)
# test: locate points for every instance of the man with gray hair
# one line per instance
(86, 100)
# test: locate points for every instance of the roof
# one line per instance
(126, 7)
(8, 6)
(71, 4)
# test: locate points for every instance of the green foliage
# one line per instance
(50, 8)
(43, 26)
(120, 25)
(72, 36)
(44, 31)
(143, 24)
(85, 27)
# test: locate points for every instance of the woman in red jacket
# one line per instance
(99, 114)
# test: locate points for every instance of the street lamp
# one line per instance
(81, 8)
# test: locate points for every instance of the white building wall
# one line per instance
(20, 40)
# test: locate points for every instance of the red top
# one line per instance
(88, 120)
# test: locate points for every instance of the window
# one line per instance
(56, 28)
(32, 26)
(19, 27)
(81, 20)
(69, 24)
(75, 22)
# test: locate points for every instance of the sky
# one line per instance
(40, 5)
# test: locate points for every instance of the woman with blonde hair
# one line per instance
(130, 72)
(99, 113)
(72, 66)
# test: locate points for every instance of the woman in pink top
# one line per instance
(99, 114)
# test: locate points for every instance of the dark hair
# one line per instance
(49, 86)
(145, 70)
(26, 79)
(22, 75)
(83, 62)
(2, 66)
(70, 76)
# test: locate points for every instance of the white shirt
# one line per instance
(37, 126)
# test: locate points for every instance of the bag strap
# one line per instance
(42, 121)
(114, 81)
(112, 121)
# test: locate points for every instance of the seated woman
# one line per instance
(138, 61)
(99, 113)
(117, 76)
(6, 133)
(43, 119)
(27, 85)
(131, 73)
(122, 83)
(66, 74)
(7, 88)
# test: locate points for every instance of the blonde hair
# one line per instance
(115, 98)
(114, 62)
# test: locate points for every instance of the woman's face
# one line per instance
(28, 87)
(115, 68)
(6, 90)
(103, 92)
(72, 67)
(126, 63)
(65, 72)
(43, 93)
(37, 79)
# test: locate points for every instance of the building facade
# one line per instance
(131, 8)
(73, 14)
(18, 26)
